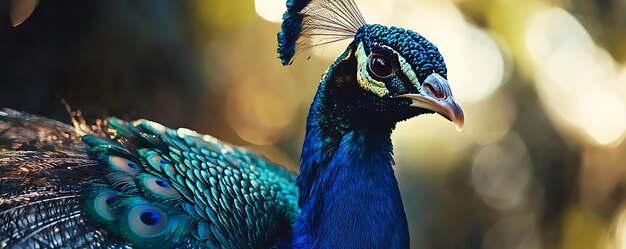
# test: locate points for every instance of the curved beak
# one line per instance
(435, 95)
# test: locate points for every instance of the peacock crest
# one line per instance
(308, 24)
(139, 184)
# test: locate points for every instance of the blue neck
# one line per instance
(349, 196)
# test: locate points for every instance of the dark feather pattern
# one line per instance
(43, 164)
(308, 24)
(143, 185)
(138, 184)
(23, 131)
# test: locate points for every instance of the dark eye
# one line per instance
(380, 67)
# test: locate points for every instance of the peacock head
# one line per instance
(385, 72)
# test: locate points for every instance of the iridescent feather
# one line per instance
(141, 185)
(144, 185)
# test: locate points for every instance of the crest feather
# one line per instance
(310, 23)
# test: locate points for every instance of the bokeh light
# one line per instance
(540, 163)
(500, 173)
(270, 10)
(576, 79)
(620, 230)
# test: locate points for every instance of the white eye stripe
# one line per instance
(363, 78)
(405, 67)
(379, 88)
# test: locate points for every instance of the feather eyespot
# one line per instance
(156, 160)
(123, 164)
(150, 217)
(158, 186)
(109, 200)
(132, 165)
(147, 221)
(162, 183)
(380, 67)
(102, 204)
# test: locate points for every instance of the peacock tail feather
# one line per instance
(139, 184)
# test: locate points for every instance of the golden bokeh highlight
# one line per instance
(493, 49)
(540, 163)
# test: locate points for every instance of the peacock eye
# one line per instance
(102, 204)
(147, 221)
(380, 67)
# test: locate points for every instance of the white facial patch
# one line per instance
(363, 78)
(408, 71)
(406, 68)
(377, 87)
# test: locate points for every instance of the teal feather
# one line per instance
(192, 172)
(141, 184)
(159, 187)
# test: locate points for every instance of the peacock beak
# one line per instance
(435, 95)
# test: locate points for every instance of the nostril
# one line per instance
(436, 92)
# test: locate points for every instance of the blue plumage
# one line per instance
(144, 185)
(422, 55)
(291, 28)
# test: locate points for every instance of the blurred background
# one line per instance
(541, 162)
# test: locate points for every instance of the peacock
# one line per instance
(139, 184)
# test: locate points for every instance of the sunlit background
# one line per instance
(541, 162)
